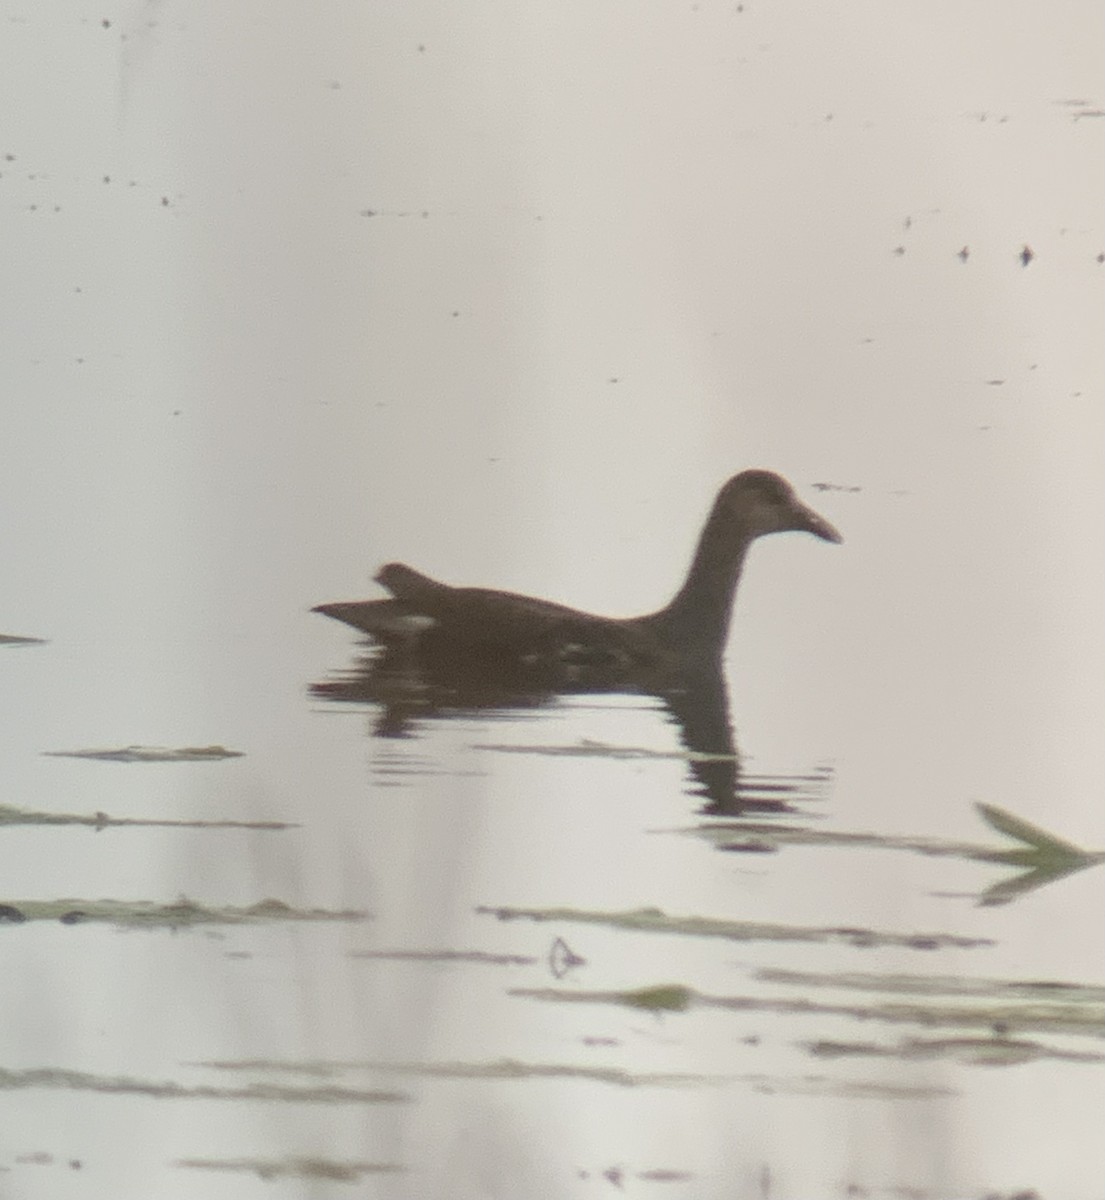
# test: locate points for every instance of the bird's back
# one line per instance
(499, 624)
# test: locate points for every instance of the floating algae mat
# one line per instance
(142, 914)
(132, 754)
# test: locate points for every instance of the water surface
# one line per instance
(508, 295)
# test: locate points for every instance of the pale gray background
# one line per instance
(507, 290)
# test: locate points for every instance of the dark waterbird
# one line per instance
(442, 649)
(537, 638)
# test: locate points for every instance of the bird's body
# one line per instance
(440, 623)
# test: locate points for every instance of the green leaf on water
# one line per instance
(664, 997)
(1042, 856)
(1024, 831)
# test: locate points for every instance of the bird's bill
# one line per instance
(808, 521)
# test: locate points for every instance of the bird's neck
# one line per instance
(696, 622)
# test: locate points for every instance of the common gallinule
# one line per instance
(434, 621)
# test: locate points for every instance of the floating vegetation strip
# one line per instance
(100, 820)
(982, 1052)
(739, 835)
(131, 754)
(144, 914)
(560, 959)
(820, 1085)
(586, 748)
(293, 1168)
(465, 956)
(503, 1068)
(617, 1175)
(1041, 856)
(1049, 1018)
(654, 920)
(941, 985)
(510, 1069)
(82, 1081)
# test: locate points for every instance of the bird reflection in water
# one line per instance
(440, 650)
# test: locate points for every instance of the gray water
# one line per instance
(507, 294)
